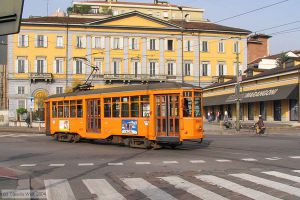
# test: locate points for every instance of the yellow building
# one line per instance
(274, 94)
(128, 48)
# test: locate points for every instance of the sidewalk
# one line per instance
(16, 129)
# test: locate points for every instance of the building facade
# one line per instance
(274, 94)
(128, 48)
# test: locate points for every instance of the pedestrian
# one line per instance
(226, 120)
(27, 120)
(218, 116)
(208, 117)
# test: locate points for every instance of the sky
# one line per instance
(215, 10)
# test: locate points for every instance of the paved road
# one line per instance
(223, 167)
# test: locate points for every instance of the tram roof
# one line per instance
(129, 88)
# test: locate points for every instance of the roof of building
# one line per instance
(129, 88)
(208, 26)
(274, 56)
(60, 20)
(274, 71)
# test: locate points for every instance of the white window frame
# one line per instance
(59, 90)
(59, 41)
(236, 47)
(116, 66)
(203, 64)
(41, 61)
(115, 12)
(58, 66)
(206, 49)
(133, 43)
(167, 45)
(80, 42)
(21, 89)
(152, 68)
(136, 65)
(221, 47)
(41, 41)
(78, 67)
(152, 44)
(23, 61)
(188, 65)
(23, 102)
(23, 40)
(98, 62)
(173, 65)
(220, 66)
(97, 42)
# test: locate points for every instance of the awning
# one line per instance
(268, 94)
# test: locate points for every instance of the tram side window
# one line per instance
(145, 106)
(54, 109)
(60, 109)
(134, 106)
(107, 107)
(187, 104)
(66, 109)
(79, 108)
(73, 109)
(197, 107)
(116, 106)
(125, 107)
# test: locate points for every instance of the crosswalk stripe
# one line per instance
(58, 189)
(192, 188)
(115, 164)
(284, 176)
(298, 171)
(249, 159)
(57, 165)
(170, 162)
(152, 192)
(197, 161)
(102, 189)
(223, 160)
(28, 165)
(85, 164)
(143, 163)
(273, 158)
(271, 184)
(295, 157)
(253, 194)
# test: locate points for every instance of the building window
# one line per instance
(40, 65)
(152, 44)
(187, 69)
(58, 65)
(236, 47)
(221, 48)
(21, 103)
(188, 45)
(21, 90)
(294, 109)
(59, 90)
(115, 12)
(205, 69)
(116, 43)
(263, 110)
(152, 69)
(60, 41)
(116, 67)
(80, 42)
(23, 41)
(95, 10)
(79, 67)
(133, 43)
(135, 68)
(41, 41)
(221, 69)
(21, 65)
(97, 42)
(277, 110)
(250, 111)
(205, 46)
(99, 64)
(170, 45)
(171, 69)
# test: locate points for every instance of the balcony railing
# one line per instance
(40, 76)
(133, 77)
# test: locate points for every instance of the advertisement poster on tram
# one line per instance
(129, 127)
(64, 125)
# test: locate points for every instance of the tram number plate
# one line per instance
(129, 127)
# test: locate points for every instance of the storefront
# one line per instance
(272, 94)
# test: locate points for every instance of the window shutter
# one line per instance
(157, 72)
(26, 66)
(54, 67)
(185, 43)
(148, 43)
(45, 41)
(137, 43)
(201, 46)
(192, 45)
(225, 69)
(217, 69)
(139, 68)
(102, 42)
(93, 42)
(156, 44)
(112, 42)
(26, 41)
(35, 40)
(45, 66)
(16, 65)
(192, 69)
(208, 69)
(19, 40)
(83, 68)
(83, 42)
(74, 67)
(166, 44)
(130, 43)
(35, 66)
(121, 43)
(174, 68)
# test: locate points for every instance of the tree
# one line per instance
(82, 9)
(106, 10)
(69, 10)
(20, 112)
(280, 62)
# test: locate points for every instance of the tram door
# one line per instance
(47, 117)
(167, 115)
(93, 115)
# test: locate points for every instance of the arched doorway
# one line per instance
(39, 99)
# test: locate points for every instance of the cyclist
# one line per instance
(260, 126)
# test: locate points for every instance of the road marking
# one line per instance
(143, 163)
(295, 157)
(298, 171)
(170, 162)
(249, 159)
(102, 189)
(152, 192)
(284, 176)
(273, 158)
(253, 194)
(7, 135)
(58, 189)
(56, 165)
(85, 164)
(223, 160)
(192, 188)
(115, 164)
(28, 165)
(197, 161)
(271, 184)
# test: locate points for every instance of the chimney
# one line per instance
(258, 46)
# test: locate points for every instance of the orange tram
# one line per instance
(149, 115)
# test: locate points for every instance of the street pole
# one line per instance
(298, 95)
(182, 68)
(237, 92)
(199, 46)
